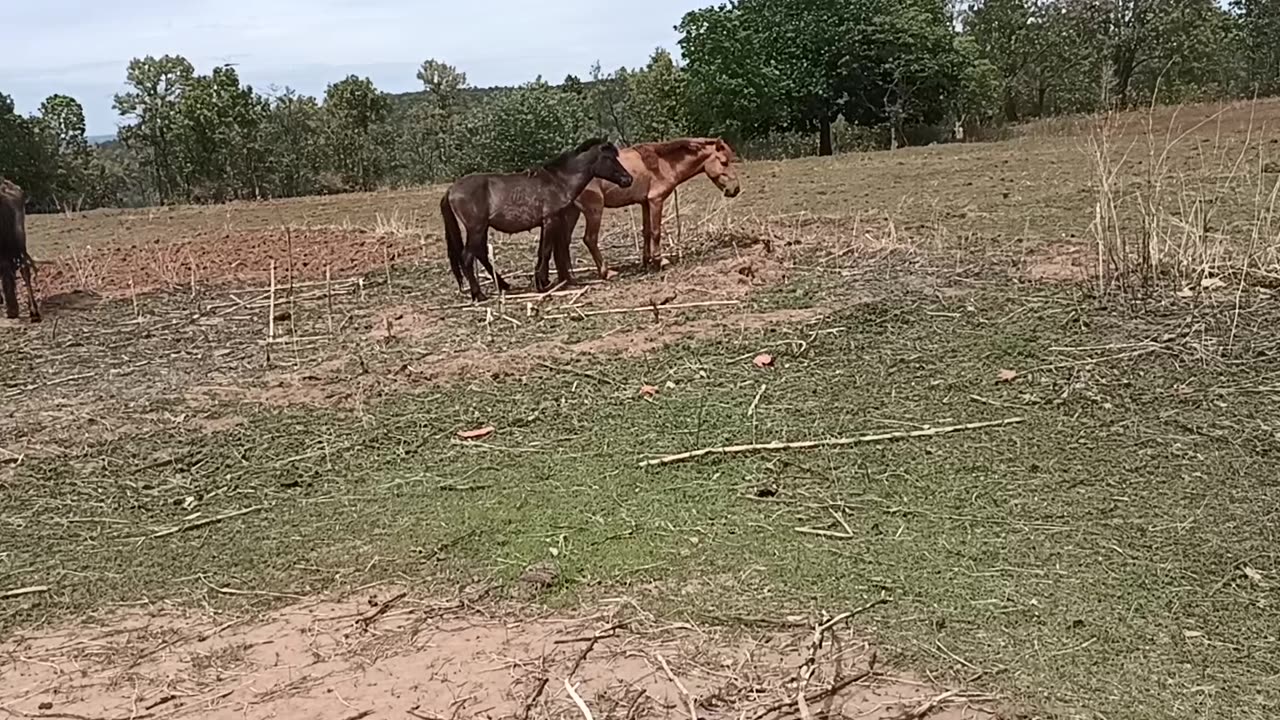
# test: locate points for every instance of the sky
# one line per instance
(82, 47)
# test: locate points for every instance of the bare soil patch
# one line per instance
(221, 259)
(390, 655)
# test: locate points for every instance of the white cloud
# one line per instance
(81, 47)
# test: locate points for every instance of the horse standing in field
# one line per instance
(13, 250)
(658, 169)
(516, 202)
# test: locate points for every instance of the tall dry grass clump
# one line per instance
(1191, 204)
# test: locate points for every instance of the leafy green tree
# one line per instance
(1258, 23)
(523, 128)
(355, 113)
(61, 119)
(428, 138)
(759, 65)
(152, 104)
(221, 124)
(292, 131)
(658, 101)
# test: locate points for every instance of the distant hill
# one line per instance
(101, 139)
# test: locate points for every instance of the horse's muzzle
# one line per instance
(731, 191)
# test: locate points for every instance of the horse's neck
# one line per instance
(688, 166)
(575, 179)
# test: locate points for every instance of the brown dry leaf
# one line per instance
(1006, 376)
(1192, 634)
(648, 390)
(763, 360)
(478, 433)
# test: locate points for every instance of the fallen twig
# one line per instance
(360, 715)
(693, 707)
(817, 695)
(645, 308)
(598, 635)
(204, 522)
(834, 442)
(366, 620)
(577, 700)
(19, 592)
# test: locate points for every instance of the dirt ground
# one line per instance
(385, 653)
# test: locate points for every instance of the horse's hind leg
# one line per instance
(33, 310)
(488, 266)
(591, 237)
(477, 243)
(8, 288)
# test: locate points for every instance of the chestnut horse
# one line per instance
(13, 251)
(658, 169)
(519, 201)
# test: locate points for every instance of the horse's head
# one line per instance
(719, 167)
(607, 166)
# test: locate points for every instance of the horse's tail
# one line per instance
(452, 237)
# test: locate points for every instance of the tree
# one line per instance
(221, 123)
(1258, 22)
(61, 121)
(152, 105)
(355, 112)
(659, 104)
(759, 65)
(292, 130)
(523, 128)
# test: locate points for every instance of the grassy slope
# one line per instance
(1094, 560)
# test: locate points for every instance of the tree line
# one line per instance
(778, 78)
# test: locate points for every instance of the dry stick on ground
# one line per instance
(202, 523)
(817, 695)
(366, 620)
(834, 442)
(328, 297)
(542, 682)
(688, 699)
(646, 308)
(23, 591)
(928, 707)
(271, 312)
(577, 700)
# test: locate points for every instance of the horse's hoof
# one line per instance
(608, 275)
(35, 318)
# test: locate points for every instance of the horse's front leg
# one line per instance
(547, 239)
(654, 232)
(33, 310)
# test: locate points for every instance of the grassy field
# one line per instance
(1113, 553)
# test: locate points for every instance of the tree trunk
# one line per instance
(1010, 106)
(824, 136)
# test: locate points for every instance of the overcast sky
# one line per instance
(81, 47)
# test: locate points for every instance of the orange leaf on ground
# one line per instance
(763, 360)
(476, 434)
(1007, 376)
(648, 390)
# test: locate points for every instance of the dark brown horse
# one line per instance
(658, 169)
(516, 202)
(13, 250)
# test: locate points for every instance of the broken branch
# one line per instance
(834, 442)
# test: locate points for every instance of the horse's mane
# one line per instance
(563, 158)
(693, 146)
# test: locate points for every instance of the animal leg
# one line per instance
(563, 238)
(655, 233)
(32, 309)
(591, 238)
(8, 288)
(477, 242)
(546, 243)
(646, 253)
(488, 266)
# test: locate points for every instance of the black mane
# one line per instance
(563, 158)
